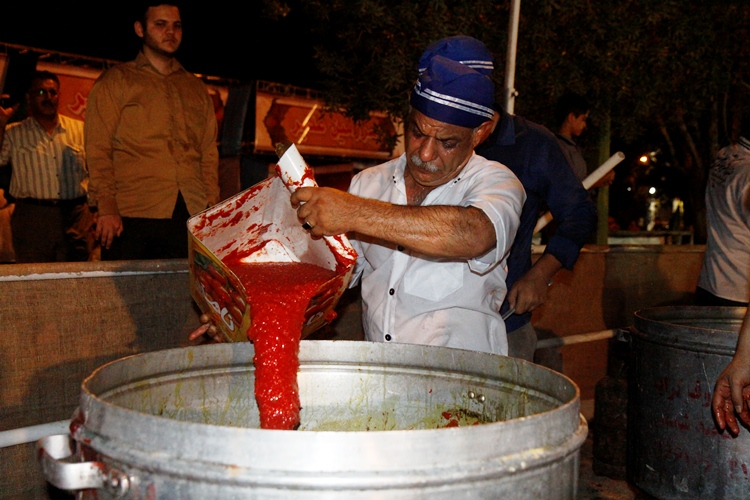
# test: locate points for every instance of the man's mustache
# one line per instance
(427, 165)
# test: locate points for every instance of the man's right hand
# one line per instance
(527, 293)
(107, 227)
(6, 114)
(530, 291)
(207, 328)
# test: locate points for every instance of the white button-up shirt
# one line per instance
(411, 298)
(49, 167)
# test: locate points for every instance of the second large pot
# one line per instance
(674, 448)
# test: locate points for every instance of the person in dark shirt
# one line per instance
(531, 151)
(571, 114)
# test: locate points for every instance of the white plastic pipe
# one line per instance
(33, 433)
(603, 169)
(510, 65)
(575, 339)
(295, 173)
(85, 274)
(589, 181)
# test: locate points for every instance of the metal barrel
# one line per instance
(674, 448)
(378, 421)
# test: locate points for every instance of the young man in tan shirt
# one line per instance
(151, 145)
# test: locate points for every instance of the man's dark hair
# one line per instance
(570, 103)
(144, 5)
(43, 75)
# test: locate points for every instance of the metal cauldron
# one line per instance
(378, 421)
(674, 448)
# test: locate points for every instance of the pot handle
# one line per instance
(624, 335)
(51, 451)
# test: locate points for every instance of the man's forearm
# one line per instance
(545, 268)
(102, 117)
(437, 231)
(743, 342)
(210, 157)
(101, 180)
(210, 175)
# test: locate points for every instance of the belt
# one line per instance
(53, 203)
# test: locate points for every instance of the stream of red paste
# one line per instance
(278, 293)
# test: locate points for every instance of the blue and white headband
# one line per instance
(453, 93)
(463, 49)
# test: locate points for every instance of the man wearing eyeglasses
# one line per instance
(51, 221)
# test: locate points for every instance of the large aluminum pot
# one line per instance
(378, 421)
(674, 448)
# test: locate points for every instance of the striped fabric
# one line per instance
(454, 102)
(48, 167)
(453, 93)
(484, 67)
(462, 49)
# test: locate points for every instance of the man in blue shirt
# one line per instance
(533, 154)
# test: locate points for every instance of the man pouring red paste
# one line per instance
(433, 227)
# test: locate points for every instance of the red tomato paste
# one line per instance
(279, 294)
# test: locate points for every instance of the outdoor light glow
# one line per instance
(652, 190)
(643, 159)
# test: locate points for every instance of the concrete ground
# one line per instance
(594, 487)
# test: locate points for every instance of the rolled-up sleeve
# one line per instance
(500, 195)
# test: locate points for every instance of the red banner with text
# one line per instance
(316, 131)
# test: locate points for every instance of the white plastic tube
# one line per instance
(296, 173)
(33, 433)
(589, 181)
(603, 169)
(510, 65)
(575, 339)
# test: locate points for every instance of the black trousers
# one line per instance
(145, 239)
(52, 231)
(705, 298)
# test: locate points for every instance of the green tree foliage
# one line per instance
(635, 59)
(647, 66)
(651, 67)
(367, 50)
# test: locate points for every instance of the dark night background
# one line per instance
(221, 38)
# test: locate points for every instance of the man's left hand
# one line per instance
(605, 181)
